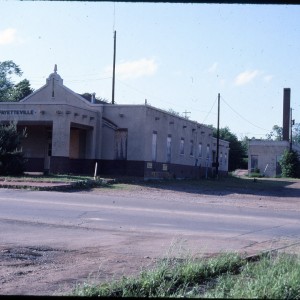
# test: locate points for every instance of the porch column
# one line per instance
(61, 138)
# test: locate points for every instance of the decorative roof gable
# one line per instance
(54, 92)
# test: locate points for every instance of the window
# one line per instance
(221, 158)
(191, 148)
(208, 152)
(181, 149)
(169, 139)
(121, 144)
(200, 150)
(225, 158)
(254, 163)
(154, 145)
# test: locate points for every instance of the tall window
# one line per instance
(169, 139)
(200, 150)
(154, 145)
(191, 148)
(221, 158)
(121, 144)
(254, 163)
(208, 152)
(181, 146)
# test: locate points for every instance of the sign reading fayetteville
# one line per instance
(17, 112)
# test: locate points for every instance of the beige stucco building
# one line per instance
(68, 134)
(264, 156)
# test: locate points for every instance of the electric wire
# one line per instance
(209, 111)
(242, 116)
(144, 93)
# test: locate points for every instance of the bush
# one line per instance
(290, 164)
(11, 157)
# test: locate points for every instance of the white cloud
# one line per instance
(246, 77)
(268, 78)
(7, 36)
(135, 69)
(213, 68)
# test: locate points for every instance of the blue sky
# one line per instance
(177, 56)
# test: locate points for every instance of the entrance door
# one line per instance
(48, 152)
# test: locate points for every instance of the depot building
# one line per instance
(68, 134)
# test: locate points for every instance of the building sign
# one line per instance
(17, 112)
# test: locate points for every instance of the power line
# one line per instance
(210, 110)
(243, 117)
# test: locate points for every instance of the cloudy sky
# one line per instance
(177, 56)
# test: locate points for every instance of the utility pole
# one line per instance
(218, 138)
(185, 113)
(292, 123)
(114, 67)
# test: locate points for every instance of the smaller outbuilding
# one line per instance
(264, 155)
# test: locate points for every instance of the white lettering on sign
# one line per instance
(17, 112)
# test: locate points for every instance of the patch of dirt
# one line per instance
(47, 271)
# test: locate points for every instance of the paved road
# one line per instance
(74, 220)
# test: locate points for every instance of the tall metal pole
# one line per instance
(218, 138)
(114, 67)
(291, 124)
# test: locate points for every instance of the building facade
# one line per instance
(68, 134)
(264, 156)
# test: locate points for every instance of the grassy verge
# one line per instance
(54, 182)
(224, 184)
(232, 184)
(224, 276)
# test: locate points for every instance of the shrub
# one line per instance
(11, 156)
(290, 164)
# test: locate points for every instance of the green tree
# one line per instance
(11, 156)
(21, 90)
(173, 112)
(290, 164)
(296, 133)
(8, 90)
(238, 149)
(98, 100)
(275, 134)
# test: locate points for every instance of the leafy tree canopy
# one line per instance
(98, 100)
(238, 149)
(8, 90)
(276, 133)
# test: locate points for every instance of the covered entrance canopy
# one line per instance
(63, 129)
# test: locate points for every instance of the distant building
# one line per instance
(68, 134)
(264, 155)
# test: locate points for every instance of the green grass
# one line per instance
(224, 276)
(46, 178)
(229, 183)
(222, 185)
(75, 182)
(271, 278)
